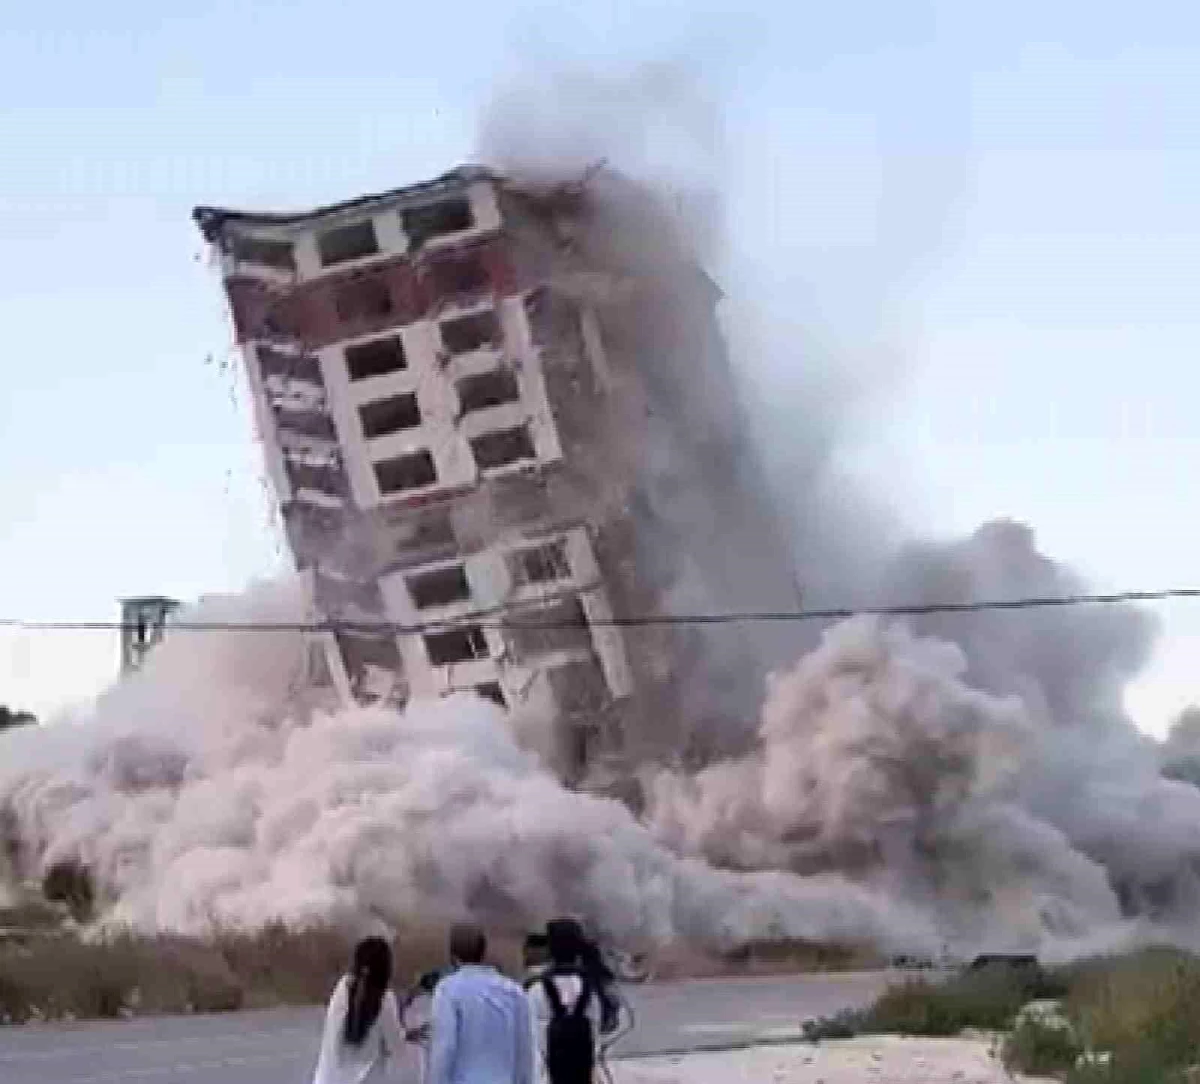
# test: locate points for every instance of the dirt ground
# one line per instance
(852, 1061)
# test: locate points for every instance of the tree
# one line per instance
(10, 719)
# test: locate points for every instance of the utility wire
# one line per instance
(482, 620)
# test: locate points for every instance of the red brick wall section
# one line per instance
(309, 311)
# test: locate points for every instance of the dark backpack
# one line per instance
(570, 1047)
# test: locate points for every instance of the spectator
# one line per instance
(481, 1028)
(362, 1022)
(565, 1009)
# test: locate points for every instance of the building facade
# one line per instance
(455, 385)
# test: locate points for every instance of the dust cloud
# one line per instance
(969, 779)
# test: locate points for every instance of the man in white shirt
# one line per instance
(481, 1030)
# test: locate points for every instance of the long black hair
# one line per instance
(370, 975)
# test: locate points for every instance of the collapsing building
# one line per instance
(502, 429)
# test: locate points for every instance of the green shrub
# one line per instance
(842, 1025)
(1039, 1047)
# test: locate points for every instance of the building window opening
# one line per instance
(345, 243)
(365, 297)
(456, 645)
(562, 626)
(502, 447)
(281, 363)
(440, 587)
(465, 334)
(458, 275)
(376, 358)
(412, 471)
(265, 253)
(540, 564)
(392, 415)
(421, 224)
(486, 390)
(490, 690)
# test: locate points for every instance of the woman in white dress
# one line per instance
(363, 1036)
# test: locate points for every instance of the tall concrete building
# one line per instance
(499, 421)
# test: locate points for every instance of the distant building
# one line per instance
(143, 626)
(488, 432)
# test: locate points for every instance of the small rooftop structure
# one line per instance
(143, 626)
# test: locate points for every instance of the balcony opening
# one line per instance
(503, 447)
(392, 415)
(275, 362)
(486, 390)
(265, 253)
(465, 334)
(490, 690)
(412, 471)
(540, 564)
(456, 645)
(363, 298)
(323, 478)
(343, 243)
(436, 220)
(376, 358)
(440, 587)
(562, 626)
(313, 424)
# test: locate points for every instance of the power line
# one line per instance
(483, 620)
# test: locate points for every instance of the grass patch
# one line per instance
(987, 999)
(59, 977)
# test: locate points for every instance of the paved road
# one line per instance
(279, 1047)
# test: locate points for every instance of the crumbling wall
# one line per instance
(653, 436)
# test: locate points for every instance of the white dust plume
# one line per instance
(203, 794)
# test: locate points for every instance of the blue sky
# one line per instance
(1005, 194)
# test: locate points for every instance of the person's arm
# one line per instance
(528, 1059)
(444, 1045)
(390, 1031)
(331, 1035)
(539, 1017)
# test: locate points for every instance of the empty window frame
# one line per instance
(485, 390)
(323, 478)
(502, 447)
(363, 298)
(562, 626)
(275, 362)
(265, 253)
(313, 424)
(391, 415)
(543, 563)
(455, 275)
(351, 242)
(439, 587)
(436, 220)
(464, 334)
(377, 357)
(412, 471)
(456, 645)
